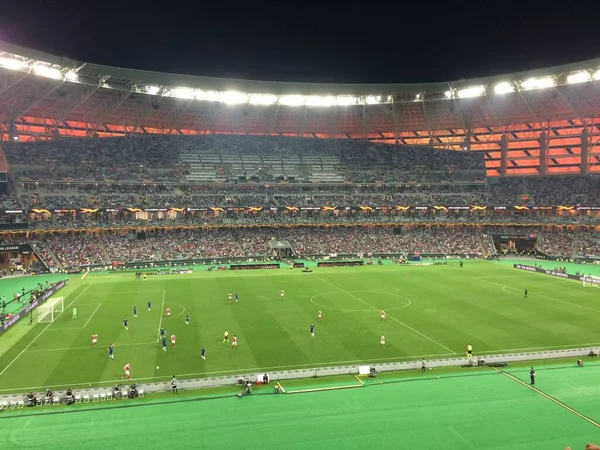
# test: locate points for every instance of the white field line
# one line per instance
(42, 332)
(133, 344)
(124, 293)
(162, 308)
(503, 286)
(395, 320)
(262, 369)
(96, 310)
(235, 372)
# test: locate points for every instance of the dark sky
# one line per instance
(352, 42)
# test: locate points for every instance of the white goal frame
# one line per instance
(590, 281)
(50, 310)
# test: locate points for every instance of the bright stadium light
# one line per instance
(320, 101)
(12, 63)
(373, 99)
(182, 92)
(504, 88)
(448, 94)
(209, 96)
(48, 72)
(71, 75)
(152, 90)
(471, 92)
(417, 98)
(292, 100)
(263, 99)
(579, 77)
(538, 83)
(596, 75)
(347, 100)
(234, 98)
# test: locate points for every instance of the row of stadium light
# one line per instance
(55, 72)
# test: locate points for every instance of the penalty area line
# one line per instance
(162, 308)
(42, 332)
(95, 311)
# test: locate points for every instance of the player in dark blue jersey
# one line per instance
(135, 312)
(162, 333)
(164, 343)
(312, 329)
(187, 319)
(149, 306)
(236, 297)
(203, 353)
(126, 324)
(111, 351)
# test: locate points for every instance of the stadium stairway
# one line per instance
(105, 255)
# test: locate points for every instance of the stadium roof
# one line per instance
(42, 95)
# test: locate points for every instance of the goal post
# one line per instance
(48, 312)
(590, 281)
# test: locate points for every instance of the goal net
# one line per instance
(590, 281)
(50, 310)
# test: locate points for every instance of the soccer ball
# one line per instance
(157, 367)
(430, 368)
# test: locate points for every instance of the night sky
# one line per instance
(340, 42)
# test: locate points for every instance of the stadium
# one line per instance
(375, 248)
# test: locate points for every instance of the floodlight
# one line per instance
(579, 77)
(12, 64)
(538, 83)
(263, 99)
(234, 98)
(504, 87)
(347, 100)
(291, 100)
(448, 94)
(71, 75)
(320, 101)
(48, 72)
(152, 90)
(596, 75)
(209, 96)
(471, 92)
(182, 92)
(373, 99)
(417, 97)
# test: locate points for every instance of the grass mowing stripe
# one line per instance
(395, 320)
(42, 332)
(548, 397)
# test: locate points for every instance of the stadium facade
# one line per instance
(543, 122)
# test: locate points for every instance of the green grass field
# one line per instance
(433, 311)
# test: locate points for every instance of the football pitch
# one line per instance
(432, 312)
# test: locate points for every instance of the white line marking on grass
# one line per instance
(315, 366)
(395, 320)
(42, 332)
(88, 321)
(161, 316)
(125, 293)
(548, 397)
(504, 287)
(86, 348)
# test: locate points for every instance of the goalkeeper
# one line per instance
(75, 313)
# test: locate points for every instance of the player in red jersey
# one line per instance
(234, 343)
(229, 296)
(94, 339)
(382, 341)
(382, 314)
(320, 316)
(173, 340)
(168, 312)
(127, 370)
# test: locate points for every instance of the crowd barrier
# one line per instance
(98, 393)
